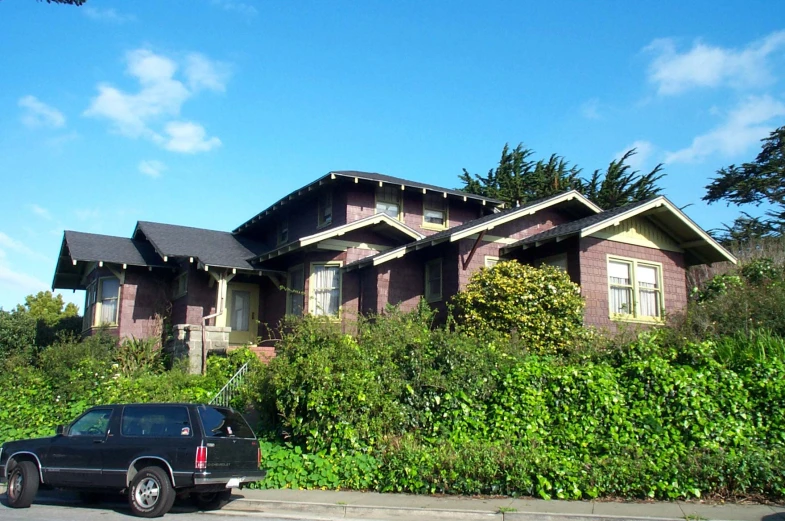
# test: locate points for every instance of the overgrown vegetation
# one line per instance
(483, 404)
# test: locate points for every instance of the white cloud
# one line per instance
(87, 214)
(40, 211)
(107, 15)
(237, 7)
(709, 66)
(152, 168)
(39, 114)
(203, 73)
(160, 97)
(9, 243)
(189, 138)
(643, 152)
(591, 109)
(744, 127)
(21, 281)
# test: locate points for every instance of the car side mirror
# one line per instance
(60, 430)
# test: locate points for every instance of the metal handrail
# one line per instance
(225, 395)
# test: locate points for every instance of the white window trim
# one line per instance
(96, 286)
(399, 202)
(429, 266)
(291, 292)
(445, 209)
(312, 287)
(635, 315)
(491, 261)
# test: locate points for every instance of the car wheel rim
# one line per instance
(16, 484)
(147, 492)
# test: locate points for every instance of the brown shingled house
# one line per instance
(353, 242)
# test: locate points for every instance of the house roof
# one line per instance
(90, 247)
(699, 246)
(365, 176)
(210, 247)
(374, 221)
(484, 223)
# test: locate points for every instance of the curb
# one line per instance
(355, 511)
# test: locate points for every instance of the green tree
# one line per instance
(542, 307)
(519, 179)
(46, 307)
(757, 182)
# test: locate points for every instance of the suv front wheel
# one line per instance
(22, 484)
(150, 493)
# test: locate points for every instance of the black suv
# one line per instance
(151, 451)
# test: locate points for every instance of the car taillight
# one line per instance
(201, 458)
(258, 457)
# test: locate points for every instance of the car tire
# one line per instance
(212, 500)
(22, 484)
(151, 493)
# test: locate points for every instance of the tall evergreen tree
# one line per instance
(519, 179)
(757, 182)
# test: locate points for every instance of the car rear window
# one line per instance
(156, 421)
(220, 422)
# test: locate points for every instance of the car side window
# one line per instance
(155, 421)
(93, 423)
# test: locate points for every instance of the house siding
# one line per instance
(594, 277)
(143, 296)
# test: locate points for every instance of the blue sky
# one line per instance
(203, 112)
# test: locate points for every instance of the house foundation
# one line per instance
(187, 342)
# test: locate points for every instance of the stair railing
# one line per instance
(224, 397)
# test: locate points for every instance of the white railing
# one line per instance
(228, 391)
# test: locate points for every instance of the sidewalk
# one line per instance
(402, 506)
(405, 507)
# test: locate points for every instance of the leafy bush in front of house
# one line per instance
(428, 410)
(540, 307)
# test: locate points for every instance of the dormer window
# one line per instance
(325, 208)
(283, 230)
(388, 201)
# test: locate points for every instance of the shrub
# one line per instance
(541, 306)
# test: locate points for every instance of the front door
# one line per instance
(242, 313)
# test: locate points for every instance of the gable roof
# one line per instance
(211, 247)
(365, 176)
(699, 246)
(485, 223)
(91, 247)
(371, 221)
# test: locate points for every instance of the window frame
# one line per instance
(93, 309)
(312, 289)
(180, 288)
(635, 315)
(392, 189)
(429, 269)
(444, 209)
(291, 292)
(491, 261)
(282, 230)
(324, 202)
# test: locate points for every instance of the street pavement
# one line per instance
(324, 504)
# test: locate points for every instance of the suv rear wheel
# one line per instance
(150, 493)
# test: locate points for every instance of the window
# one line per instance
(491, 261)
(434, 212)
(283, 230)
(635, 288)
(325, 289)
(388, 200)
(92, 423)
(325, 209)
(295, 291)
(557, 261)
(433, 280)
(220, 422)
(240, 310)
(101, 303)
(160, 420)
(180, 285)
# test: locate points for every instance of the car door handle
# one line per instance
(99, 441)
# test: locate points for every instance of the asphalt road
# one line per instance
(64, 507)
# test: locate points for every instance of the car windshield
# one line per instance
(220, 422)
